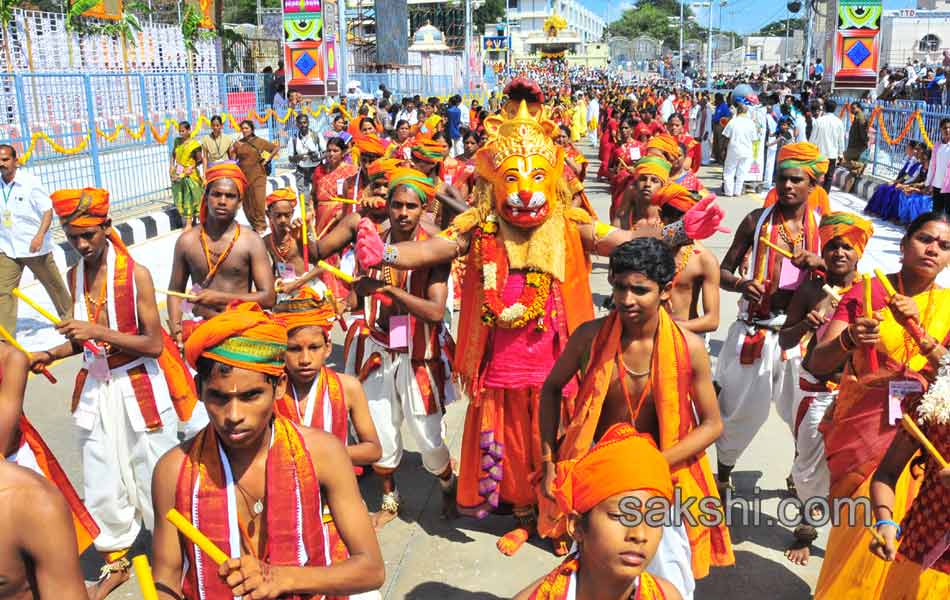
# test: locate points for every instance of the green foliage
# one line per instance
(656, 20)
(75, 10)
(491, 11)
(191, 31)
(6, 11)
(777, 28)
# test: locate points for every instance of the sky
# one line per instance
(745, 16)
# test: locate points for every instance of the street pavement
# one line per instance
(430, 558)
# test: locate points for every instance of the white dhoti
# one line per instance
(394, 397)
(735, 170)
(810, 469)
(748, 390)
(119, 453)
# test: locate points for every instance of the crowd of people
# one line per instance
(578, 427)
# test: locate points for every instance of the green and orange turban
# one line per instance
(675, 195)
(607, 470)
(85, 207)
(666, 144)
(848, 226)
(282, 195)
(429, 150)
(802, 155)
(244, 337)
(423, 186)
(653, 165)
(307, 309)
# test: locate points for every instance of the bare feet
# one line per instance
(512, 541)
(388, 510)
(113, 579)
(379, 519)
(800, 550)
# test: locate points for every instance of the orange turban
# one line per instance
(676, 196)
(382, 167)
(429, 150)
(422, 185)
(848, 226)
(624, 460)
(666, 144)
(653, 165)
(282, 195)
(369, 144)
(243, 336)
(87, 207)
(802, 155)
(227, 170)
(306, 309)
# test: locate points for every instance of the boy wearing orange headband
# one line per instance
(650, 174)
(224, 260)
(614, 554)
(697, 270)
(285, 242)
(752, 368)
(843, 239)
(255, 483)
(132, 381)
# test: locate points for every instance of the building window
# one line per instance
(929, 43)
(512, 4)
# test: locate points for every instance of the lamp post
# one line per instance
(808, 33)
(682, 28)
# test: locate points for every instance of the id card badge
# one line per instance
(339, 186)
(286, 271)
(96, 364)
(8, 219)
(399, 332)
(896, 392)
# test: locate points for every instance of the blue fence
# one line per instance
(97, 122)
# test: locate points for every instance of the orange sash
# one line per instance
(670, 382)
(294, 522)
(181, 385)
(86, 528)
(557, 583)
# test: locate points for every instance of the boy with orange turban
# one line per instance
(753, 369)
(285, 242)
(697, 269)
(649, 174)
(638, 366)
(613, 555)
(401, 347)
(843, 239)
(225, 481)
(224, 260)
(132, 382)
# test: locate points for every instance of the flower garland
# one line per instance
(934, 407)
(530, 306)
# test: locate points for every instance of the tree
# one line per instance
(6, 16)
(491, 11)
(777, 28)
(659, 20)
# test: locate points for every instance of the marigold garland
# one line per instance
(529, 307)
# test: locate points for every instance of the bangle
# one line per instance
(889, 522)
(741, 281)
(852, 343)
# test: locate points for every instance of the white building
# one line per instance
(527, 19)
(909, 34)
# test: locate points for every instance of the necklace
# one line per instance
(793, 243)
(282, 250)
(683, 258)
(258, 506)
(631, 372)
(214, 265)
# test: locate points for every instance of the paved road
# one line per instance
(429, 558)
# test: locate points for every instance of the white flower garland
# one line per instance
(934, 406)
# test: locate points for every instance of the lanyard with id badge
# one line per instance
(7, 211)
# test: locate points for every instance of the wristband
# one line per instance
(888, 522)
(390, 254)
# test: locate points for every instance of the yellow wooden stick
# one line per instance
(915, 431)
(197, 538)
(181, 295)
(885, 282)
(32, 304)
(143, 572)
(335, 272)
(12, 341)
(877, 536)
(303, 232)
(868, 306)
(344, 200)
(778, 249)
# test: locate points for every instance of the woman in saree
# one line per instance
(607, 143)
(889, 194)
(693, 156)
(885, 359)
(624, 157)
(331, 180)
